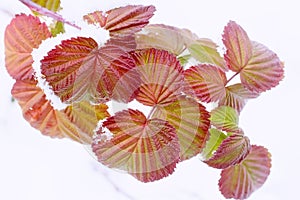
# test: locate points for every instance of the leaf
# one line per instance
(36, 109)
(161, 77)
(225, 118)
(122, 21)
(205, 82)
(260, 69)
(53, 5)
(78, 69)
(232, 151)
(22, 35)
(241, 180)
(77, 121)
(236, 96)
(146, 149)
(162, 37)
(238, 45)
(57, 28)
(191, 122)
(263, 71)
(205, 51)
(216, 137)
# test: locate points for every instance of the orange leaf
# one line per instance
(147, 149)
(22, 35)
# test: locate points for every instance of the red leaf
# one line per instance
(22, 35)
(241, 180)
(147, 149)
(97, 17)
(263, 71)
(161, 77)
(260, 69)
(236, 96)
(238, 45)
(77, 121)
(191, 122)
(77, 69)
(232, 151)
(206, 82)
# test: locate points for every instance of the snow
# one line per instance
(34, 167)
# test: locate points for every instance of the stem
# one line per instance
(151, 112)
(37, 8)
(232, 77)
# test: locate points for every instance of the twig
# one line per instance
(37, 8)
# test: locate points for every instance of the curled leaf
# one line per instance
(232, 151)
(161, 77)
(216, 138)
(147, 149)
(22, 35)
(191, 122)
(206, 82)
(241, 180)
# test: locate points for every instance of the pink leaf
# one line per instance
(161, 77)
(263, 71)
(147, 149)
(241, 180)
(238, 45)
(22, 35)
(236, 96)
(206, 82)
(232, 151)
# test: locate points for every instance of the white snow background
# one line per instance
(36, 167)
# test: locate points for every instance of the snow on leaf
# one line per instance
(36, 109)
(77, 121)
(146, 149)
(225, 118)
(205, 51)
(263, 71)
(128, 19)
(206, 82)
(77, 69)
(22, 35)
(216, 137)
(122, 21)
(161, 77)
(236, 96)
(162, 37)
(238, 45)
(232, 151)
(241, 180)
(191, 122)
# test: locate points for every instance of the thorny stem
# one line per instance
(37, 8)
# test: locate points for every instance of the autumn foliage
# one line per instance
(150, 64)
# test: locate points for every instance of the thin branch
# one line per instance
(37, 8)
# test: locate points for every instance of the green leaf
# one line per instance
(205, 51)
(232, 151)
(191, 122)
(216, 137)
(225, 118)
(53, 5)
(241, 180)
(57, 28)
(147, 149)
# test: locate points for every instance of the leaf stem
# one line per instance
(232, 77)
(151, 112)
